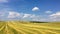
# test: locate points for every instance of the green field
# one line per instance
(17, 27)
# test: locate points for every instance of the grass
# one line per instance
(20, 27)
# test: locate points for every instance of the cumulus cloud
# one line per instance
(29, 16)
(35, 9)
(55, 17)
(56, 14)
(33, 17)
(13, 14)
(26, 15)
(48, 12)
(38, 18)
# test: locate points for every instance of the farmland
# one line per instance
(19, 27)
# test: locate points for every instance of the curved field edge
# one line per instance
(17, 27)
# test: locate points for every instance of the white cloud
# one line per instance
(35, 9)
(37, 18)
(26, 15)
(48, 12)
(33, 17)
(2, 1)
(10, 14)
(56, 14)
(13, 14)
(55, 17)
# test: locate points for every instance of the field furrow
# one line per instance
(12, 27)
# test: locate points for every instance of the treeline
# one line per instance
(37, 22)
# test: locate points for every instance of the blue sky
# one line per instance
(36, 10)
